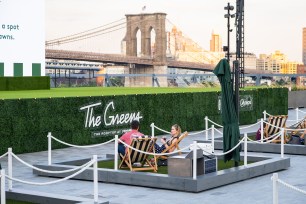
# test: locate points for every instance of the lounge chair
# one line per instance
(132, 156)
(174, 144)
(299, 125)
(274, 125)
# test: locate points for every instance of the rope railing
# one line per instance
(83, 146)
(215, 123)
(88, 164)
(93, 162)
(275, 136)
(4, 155)
(229, 151)
(165, 131)
(50, 137)
(276, 181)
(250, 125)
(46, 171)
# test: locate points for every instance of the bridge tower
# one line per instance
(145, 23)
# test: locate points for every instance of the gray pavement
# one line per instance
(256, 190)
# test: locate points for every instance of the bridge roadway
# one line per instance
(126, 60)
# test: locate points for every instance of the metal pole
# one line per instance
(3, 196)
(282, 143)
(10, 168)
(213, 138)
(116, 153)
(152, 129)
(236, 67)
(49, 148)
(194, 162)
(261, 130)
(95, 178)
(228, 32)
(265, 115)
(297, 114)
(206, 128)
(245, 149)
(275, 188)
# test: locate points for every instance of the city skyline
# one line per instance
(268, 27)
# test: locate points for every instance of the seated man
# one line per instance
(296, 139)
(128, 136)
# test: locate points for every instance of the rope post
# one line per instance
(152, 129)
(261, 130)
(297, 114)
(245, 149)
(206, 128)
(49, 148)
(265, 115)
(282, 142)
(95, 178)
(3, 199)
(116, 153)
(275, 188)
(194, 162)
(10, 168)
(213, 138)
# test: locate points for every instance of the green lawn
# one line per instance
(98, 91)
(164, 169)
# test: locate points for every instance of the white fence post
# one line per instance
(49, 148)
(245, 149)
(95, 178)
(213, 138)
(261, 130)
(10, 168)
(265, 115)
(3, 196)
(282, 142)
(275, 188)
(206, 128)
(297, 114)
(194, 163)
(116, 153)
(152, 129)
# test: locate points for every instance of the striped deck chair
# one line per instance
(275, 123)
(175, 144)
(132, 156)
(299, 125)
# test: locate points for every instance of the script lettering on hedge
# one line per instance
(92, 120)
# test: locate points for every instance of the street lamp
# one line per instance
(228, 16)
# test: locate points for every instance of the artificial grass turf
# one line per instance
(164, 170)
(16, 202)
(99, 91)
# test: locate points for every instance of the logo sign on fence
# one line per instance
(246, 103)
(107, 119)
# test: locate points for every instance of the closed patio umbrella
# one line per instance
(231, 131)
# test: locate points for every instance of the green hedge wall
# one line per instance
(25, 123)
(24, 83)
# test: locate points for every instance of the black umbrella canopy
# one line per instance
(231, 132)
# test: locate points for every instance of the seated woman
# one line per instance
(175, 133)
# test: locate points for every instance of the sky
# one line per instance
(270, 25)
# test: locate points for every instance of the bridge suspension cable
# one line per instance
(86, 34)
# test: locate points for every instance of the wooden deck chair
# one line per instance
(175, 144)
(132, 156)
(275, 123)
(299, 125)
